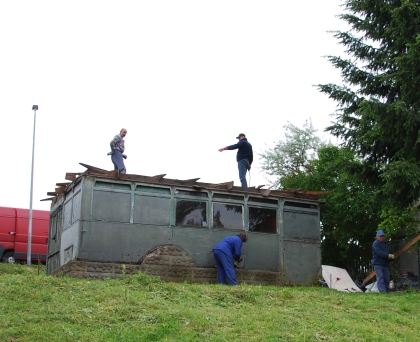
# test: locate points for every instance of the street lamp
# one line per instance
(28, 257)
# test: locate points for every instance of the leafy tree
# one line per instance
(379, 101)
(292, 155)
(351, 212)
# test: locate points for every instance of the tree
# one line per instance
(292, 155)
(351, 212)
(378, 104)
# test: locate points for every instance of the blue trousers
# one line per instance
(118, 161)
(243, 167)
(382, 278)
(225, 268)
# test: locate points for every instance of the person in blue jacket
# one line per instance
(225, 252)
(380, 261)
(244, 156)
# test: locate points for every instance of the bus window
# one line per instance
(262, 220)
(191, 213)
(227, 216)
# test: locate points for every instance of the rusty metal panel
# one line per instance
(152, 210)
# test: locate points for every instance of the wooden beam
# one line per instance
(47, 199)
(93, 168)
(229, 185)
(265, 192)
(71, 176)
(157, 178)
(63, 184)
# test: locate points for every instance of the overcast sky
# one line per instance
(184, 78)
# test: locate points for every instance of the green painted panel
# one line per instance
(154, 190)
(118, 186)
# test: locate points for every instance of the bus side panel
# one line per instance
(265, 251)
(119, 242)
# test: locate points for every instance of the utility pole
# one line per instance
(28, 257)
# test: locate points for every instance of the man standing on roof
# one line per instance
(244, 157)
(117, 150)
(380, 261)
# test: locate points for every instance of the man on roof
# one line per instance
(244, 156)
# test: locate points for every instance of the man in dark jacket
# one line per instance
(380, 261)
(225, 252)
(244, 157)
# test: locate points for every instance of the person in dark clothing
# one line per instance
(225, 253)
(244, 157)
(380, 261)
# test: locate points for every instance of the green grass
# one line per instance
(36, 307)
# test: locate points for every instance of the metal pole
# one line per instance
(28, 257)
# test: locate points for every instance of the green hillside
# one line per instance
(37, 307)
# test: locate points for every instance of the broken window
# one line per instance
(227, 216)
(262, 220)
(191, 213)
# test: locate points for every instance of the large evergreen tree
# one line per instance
(378, 112)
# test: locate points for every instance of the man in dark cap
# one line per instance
(380, 261)
(244, 156)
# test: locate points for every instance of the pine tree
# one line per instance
(378, 113)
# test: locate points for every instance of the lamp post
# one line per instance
(28, 257)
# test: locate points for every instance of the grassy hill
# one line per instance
(37, 307)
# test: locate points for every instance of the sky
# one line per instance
(183, 77)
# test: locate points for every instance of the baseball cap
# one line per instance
(380, 233)
(240, 135)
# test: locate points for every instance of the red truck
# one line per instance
(14, 224)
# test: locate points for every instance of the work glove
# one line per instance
(391, 256)
(110, 153)
(237, 262)
(124, 156)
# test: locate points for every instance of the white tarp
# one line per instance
(372, 287)
(338, 279)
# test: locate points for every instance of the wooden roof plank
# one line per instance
(192, 183)
(71, 176)
(63, 184)
(47, 199)
(93, 168)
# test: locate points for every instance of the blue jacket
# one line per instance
(244, 150)
(380, 251)
(231, 246)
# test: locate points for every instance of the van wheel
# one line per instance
(8, 257)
